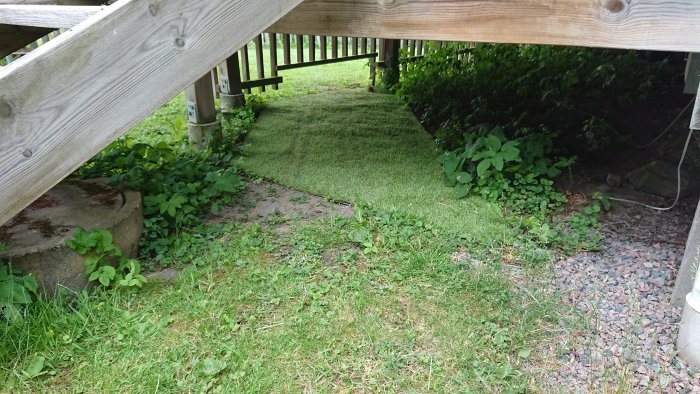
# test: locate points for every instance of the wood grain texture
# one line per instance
(51, 16)
(64, 102)
(639, 24)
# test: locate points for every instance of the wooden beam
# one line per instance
(638, 24)
(14, 38)
(256, 83)
(57, 2)
(68, 99)
(283, 67)
(51, 16)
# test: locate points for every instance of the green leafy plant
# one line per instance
(178, 184)
(99, 250)
(518, 172)
(16, 290)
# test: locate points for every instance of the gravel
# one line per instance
(623, 293)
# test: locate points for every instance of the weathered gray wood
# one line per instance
(245, 65)
(334, 47)
(324, 47)
(204, 130)
(230, 84)
(273, 58)
(286, 48)
(692, 74)
(68, 99)
(51, 16)
(637, 24)
(259, 59)
(312, 48)
(300, 48)
(284, 67)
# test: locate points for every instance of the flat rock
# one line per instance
(659, 178)
(36, 237)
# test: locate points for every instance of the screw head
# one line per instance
(179, 42)
(27, 153)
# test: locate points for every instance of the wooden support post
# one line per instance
(390, 75)
(312, 48)
(334, 47)
(287, 48)
(260, 60)
(355, 46)
(204, 129)
(300, 48)
(373, 45)
(230, 84)
(345, 47)
(692, 73)
(245, 65)
(363, 45)
(273, 58)
(324, 47)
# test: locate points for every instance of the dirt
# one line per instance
(279, 207)
(43, 202)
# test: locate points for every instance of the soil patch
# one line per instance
(280, 207)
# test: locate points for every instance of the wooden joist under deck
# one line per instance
(13, 38)
(638, 24)
(50, 16)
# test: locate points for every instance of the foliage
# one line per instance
(98, 248)
(16, 290)
(517, 172)
(178, 184)
(523, 86)
(571, 234)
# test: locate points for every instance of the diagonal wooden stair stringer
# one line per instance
(67, 100)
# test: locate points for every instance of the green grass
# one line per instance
(298, 82)
(374, 304)
(364, 148)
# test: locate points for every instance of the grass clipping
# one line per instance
(363, 148)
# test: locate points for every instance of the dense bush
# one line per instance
(560, 90)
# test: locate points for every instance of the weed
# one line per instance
(16, 291)
(98, 248)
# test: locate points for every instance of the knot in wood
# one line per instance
(615, 6)
(179, 42)
(27, 153)
(153, 9)
(5, 109)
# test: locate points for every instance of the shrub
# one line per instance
(522, 87)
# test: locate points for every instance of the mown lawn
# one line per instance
(365, 148)
(373, 303)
